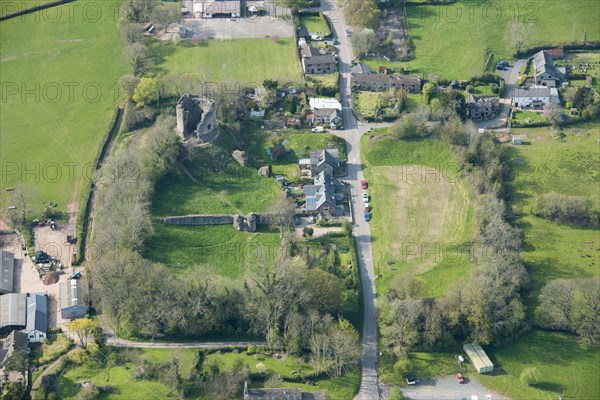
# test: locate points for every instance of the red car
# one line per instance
(460, 378)
(363, 184)
(367, 209)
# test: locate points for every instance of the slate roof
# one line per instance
(534, 91)
(13, 309)
(37, 312)
(323, 191)
(544, 64)
(7, 269)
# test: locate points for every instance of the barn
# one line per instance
(478, 358)
(73, 299)
(7, 268)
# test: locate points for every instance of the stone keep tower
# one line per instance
(196, 119)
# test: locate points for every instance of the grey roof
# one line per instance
(17, 340)
(320, 59)
(534, 91)
(326, 112)
(73, 293)
(330, 156)
(323, 191)
(544, 64)
(360, 78)
(7, 270)
(303, 32)
(37, 312)
(360, 68)
(281, 394)
(309, 51)
(488, 99)
(13, 309)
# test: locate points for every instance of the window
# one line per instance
(31, 336)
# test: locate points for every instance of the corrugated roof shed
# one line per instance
(480, 360)
(72, 293)
(7, 270)
(13, 309)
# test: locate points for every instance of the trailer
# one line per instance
(479, 359)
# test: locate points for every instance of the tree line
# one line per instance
(576, 210)
(487, 308)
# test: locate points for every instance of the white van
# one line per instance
(317, 129)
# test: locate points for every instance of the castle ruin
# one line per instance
(196, 119)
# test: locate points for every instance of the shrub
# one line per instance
(530, 376)
(251, 350)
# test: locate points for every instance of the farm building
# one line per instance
(37, 316)
(7, 269)
(13, 308)
(73, 299)
(480, 360)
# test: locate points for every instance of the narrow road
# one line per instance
(36, 385)
(113, 340)
(369, 385)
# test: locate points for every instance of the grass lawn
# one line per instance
(239, 60)
(12, 6)
(45, 353)
(325, 79)
(453, 41)
(314, 24)
(219, 249)
(564, 365)
(422, 213)
(570, 167)
(366, 102)
(64, 74)
(484, 90)
(527, 117)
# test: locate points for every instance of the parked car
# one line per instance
(365, 197)
(352, 63)
(363, 184)
(348, 32)
(311, 219)
(411, 380)
(317, 129)
(75, 275)
(460, 378)
(367, 208)
(367, 216)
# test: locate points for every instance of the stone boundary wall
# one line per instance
(205, 219)
(240, 222)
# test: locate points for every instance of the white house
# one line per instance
(317, 103)
(535, 97)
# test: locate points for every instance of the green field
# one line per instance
(238, 60)
(219, 249)
(567, 368)
(570, 167)
(366, 102)
(12, 6)
(422, 213)
(453, 41)
(49, 136)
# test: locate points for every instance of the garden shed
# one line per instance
(478, 358)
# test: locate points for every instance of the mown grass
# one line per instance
(314, 24)
(454, 40)
(66, 70)
(571, 167)
(12, 6)
(219, 249)
(528, 117)
(566, 368)
(422, 213)
(368, 101)
(240, 60)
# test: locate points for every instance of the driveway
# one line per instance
(447, 388)
(510, 77)
(239, 28)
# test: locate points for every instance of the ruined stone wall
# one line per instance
(205, 219)
(247, 223)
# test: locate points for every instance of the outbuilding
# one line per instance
(478, 358)
(73, 299)
(7, 270)
(37, 317)
(13, 309)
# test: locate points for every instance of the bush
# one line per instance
(568, 209)
(530, 376)
(136, 118)
(251, 350)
